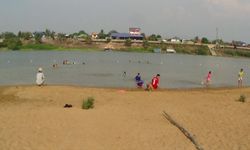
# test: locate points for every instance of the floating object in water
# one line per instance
(54, 65)
(31, 61)
(170, 51)
(157, 50)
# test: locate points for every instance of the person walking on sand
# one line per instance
(40, 78)
(154, 84)
(240, 77)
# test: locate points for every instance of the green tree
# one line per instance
(25, 35)
(102, 35)
(152, 37)
(158, 37)
(145, 44)
(13, 43)
(61, 37)
(8, 35)
(204, 40)
(38, 37)
(82, 32)
(128, 42)
(196, 39)
(88, 40)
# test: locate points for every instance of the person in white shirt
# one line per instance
(40, 78)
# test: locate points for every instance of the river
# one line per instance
(106, 69)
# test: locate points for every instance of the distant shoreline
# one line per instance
(131, 89)
(195, 49)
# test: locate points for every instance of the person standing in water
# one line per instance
(139, 81)
(40, 78)
(154, 84)
(240, 77)
(208, 78)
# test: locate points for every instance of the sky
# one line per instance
(183, 18)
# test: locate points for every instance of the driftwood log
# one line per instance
(183, 130)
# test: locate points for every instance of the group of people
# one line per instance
(240, 78)
(154, 84)
(155, 81)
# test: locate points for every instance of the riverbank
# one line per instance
(34, 118)
(128, 46)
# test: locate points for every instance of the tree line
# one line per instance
(14, 41)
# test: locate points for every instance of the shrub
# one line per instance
(128, 43)
(145, 44)
(39, 46)
(13, 43)
(88, 103)
(202, 51)
(108, 40)
(242, 98)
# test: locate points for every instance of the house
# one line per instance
(175, 40)
(94, 35)
(124, 36)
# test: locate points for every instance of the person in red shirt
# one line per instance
(155, 83)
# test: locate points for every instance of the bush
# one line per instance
(108, 40)
(145, 44)
(39, 47)
(13, 43)
(242, 98)
(202, 51)
(88, 103)
(128, 42)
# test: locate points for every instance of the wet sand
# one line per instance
(33, 118)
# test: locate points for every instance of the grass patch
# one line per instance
(88, 103)
(40, 47)
(136, 49)
(236, 52)
(242, 98)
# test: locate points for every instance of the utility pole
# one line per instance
(217, 38)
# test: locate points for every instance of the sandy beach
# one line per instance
(33, 118)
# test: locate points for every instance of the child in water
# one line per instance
(208, 78)
(240, 77)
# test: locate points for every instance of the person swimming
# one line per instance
(124, 74)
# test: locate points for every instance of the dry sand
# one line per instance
(33, 118)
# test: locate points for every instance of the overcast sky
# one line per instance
(183, 18)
